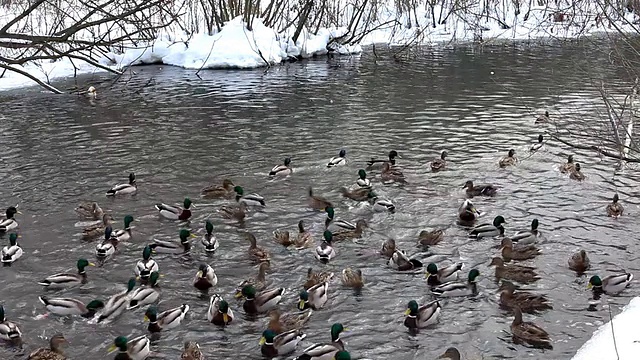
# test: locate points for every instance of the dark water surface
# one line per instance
(179, 133)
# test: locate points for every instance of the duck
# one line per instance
(508, 160)
(537, 146)
(70, 306)
(378, 164)
(248, 199)
(489, 230)
(477, 190)
(388, 248)
(89, 210)
(544, 118)
(612, 284)
(381, 205)
(145, 295)
(282, 169)
(134, 349)
(437, 276)
(146, 265)
(280, 323)
(440, 163)
(332, 224)
(124, 189)
(314, 278)
(273, 345)
(9, 331)
(318, 202)
(117, 303)
(576, 174)
(467, 212)
(354, 233)
(205, 278)
(615, 209)
(170, 247)
(325, 252)
(522, 252)
(352, 278)
(519, 273)
(430, 237)
(258, 282)
(124, 234)
(219, 312)
(358, 194)
(107, 247)
(529, 332)
(390, 174)
(209, 240)
(165, 320)
(567, 167)
(261, 302)
(95, 230)
(219, 192)
(191, 351)
(453, 289)
(362, 181)
(91, 92)
(526, 301)
(527, 237)
(175, 212)
(315, 297)
(65, 280)
(401, 262)
(257, 254)
(12, 252)
(303, 239)
(451, 353)
(338, 160)
(419, 317)
(326, 351)
(54, 352)
(234, 212)
(579, 262)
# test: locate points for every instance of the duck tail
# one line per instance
(310, 191)
(43, 300)
(158, 207)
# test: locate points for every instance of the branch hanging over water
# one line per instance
(597, 149)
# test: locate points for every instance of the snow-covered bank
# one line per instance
(601, 346)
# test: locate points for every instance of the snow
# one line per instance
(601, 345)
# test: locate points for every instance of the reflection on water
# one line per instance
(179, 133)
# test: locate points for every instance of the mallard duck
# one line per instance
(352, 278)
(12, 252)
(489, 230)
(430, 237)
(217, 191)
(451, 353)
(145, 295)
(175, 212)
(209, 240)
(314, 278)
(418, 317)
(9, 331)
(69, 306)
(544, 118)
(318, 202)
(612, 284)
(615, 209)
(258, 282)
(96, 230)
(248, 199)
(378, 163)
(537, 146)
(391, 174)
(191, 351)
(358, 194)
(351, 233)
(519, 273)
(9, 222)
(170, 247)
(381, 205)
(107, 247)
(508, 160)
(304, 239)
(90, 210)
(401, 262)
(62, 280)
(314, 297)
(282, 169)
(147, 265)
(338, 160)
(124, 234)
(467, 212)
(437, 276)
(165, 320)
(526, 301)
(576, 174)
(477, 190)
(256, 253)
(54, 352)
(134, 349)
(326, 351)
(234, 212)
(124, 189)
(388, 248)
(219, 312)
(325, 252)
(527, 237)
(528, 332)
(261, 302)
(362, 181)
(579, 262)
(568, 166)
(117, 303)
(452, 289)
(522, 252)
(280, 323)
(332, 224)
(285, 343)
(440, 163)
(205, 278)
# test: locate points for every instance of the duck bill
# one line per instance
(112, 348)
(407, 312)
(199, 274)
(146, 318)
(225, 318)
(238, 294)
(193, 235)
(301, 304)
(262, 341)
(92, 264)
(589, 286)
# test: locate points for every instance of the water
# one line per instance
(179, 134)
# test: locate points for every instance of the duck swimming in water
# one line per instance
(378, 163)
(124, 189)
(338, 160)
(282, 169)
